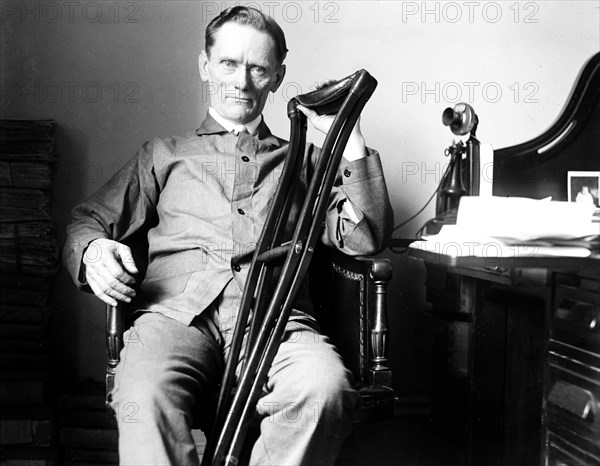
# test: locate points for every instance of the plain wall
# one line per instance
(113, 75)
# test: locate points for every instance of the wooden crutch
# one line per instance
(269, 304)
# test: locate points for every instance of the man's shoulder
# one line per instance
(174, 143)
(177, 140)
(280, 141)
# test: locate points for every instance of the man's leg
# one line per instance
(310, 403)
(165, 368)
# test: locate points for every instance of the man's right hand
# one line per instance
(109, 266)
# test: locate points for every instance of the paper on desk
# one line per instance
(519, 219)
(455, 242)
(513, 227)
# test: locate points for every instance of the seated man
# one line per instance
(201, 199)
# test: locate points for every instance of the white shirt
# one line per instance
(251, 127)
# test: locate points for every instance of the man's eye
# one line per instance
(258, 71)
(228, 64)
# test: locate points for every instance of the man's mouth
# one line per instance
(241, 100)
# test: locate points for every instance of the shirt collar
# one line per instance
(211, 126)
(251, 127)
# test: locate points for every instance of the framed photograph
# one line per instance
(583, 187)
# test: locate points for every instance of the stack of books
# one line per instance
(87, 431)
(29, 258)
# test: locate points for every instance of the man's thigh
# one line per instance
(164, 360)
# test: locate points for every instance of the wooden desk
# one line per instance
(501, 337)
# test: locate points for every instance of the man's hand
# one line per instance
(355, 148)
(108, 269)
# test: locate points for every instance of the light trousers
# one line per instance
(167, 368)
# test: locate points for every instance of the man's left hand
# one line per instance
(355, 148)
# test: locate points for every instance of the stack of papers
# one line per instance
(517, 227)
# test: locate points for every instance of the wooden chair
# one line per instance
(349, 297)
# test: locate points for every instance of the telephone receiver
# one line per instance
(461, 119)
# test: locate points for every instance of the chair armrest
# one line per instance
(114, 344)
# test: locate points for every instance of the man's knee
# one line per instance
(321, 388)
(313, 371)
(146, 396)
(328, 385)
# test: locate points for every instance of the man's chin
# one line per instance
(240, 116)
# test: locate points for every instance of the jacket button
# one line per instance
(347, 173)
(237, 268)
(245, 158)
(241, 212)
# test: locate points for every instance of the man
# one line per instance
(201, 199)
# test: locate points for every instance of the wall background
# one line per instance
(115, 74)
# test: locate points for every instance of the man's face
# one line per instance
(242, 69)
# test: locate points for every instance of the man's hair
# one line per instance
(250, 17)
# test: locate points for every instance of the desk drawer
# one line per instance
(562, 452)
(576, 314)
(573, 399)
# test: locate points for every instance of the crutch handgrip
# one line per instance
(277, 254)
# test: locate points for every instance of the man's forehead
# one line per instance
(235, 38)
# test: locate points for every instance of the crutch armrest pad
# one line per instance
(329, 99)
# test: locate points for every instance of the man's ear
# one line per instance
(278, 78)
(203, 65)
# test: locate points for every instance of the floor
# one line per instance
(400, 442)
(409, 439)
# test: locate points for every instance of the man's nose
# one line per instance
(242, 78)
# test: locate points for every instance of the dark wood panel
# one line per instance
(488, 380)
(526, 344)
(538, 168)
